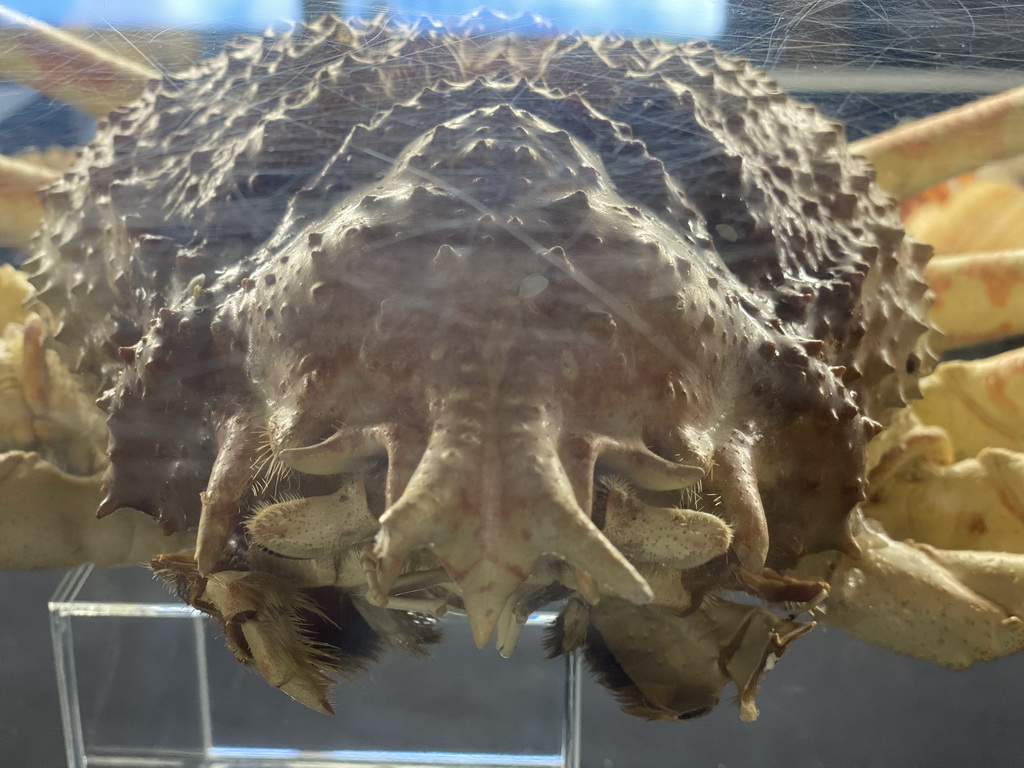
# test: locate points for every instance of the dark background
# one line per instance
(832, 702)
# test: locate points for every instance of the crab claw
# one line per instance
(949, 607)
(662, 666)
(261, 615)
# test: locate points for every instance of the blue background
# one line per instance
(674, 18)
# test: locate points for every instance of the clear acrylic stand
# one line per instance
(145, 681)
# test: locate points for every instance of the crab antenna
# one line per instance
(913, 157)
(67, 68)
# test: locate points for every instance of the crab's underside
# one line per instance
(387, 321)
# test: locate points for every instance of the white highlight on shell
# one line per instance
(728, 232)
(533, 285)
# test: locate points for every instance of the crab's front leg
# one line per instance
(663, 665)
(949, 607)
(951, 590)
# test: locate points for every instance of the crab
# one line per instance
(350, 377)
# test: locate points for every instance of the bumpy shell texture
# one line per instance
(479, 271)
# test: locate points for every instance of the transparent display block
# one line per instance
(145, 681)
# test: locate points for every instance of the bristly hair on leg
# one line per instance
(268, 469)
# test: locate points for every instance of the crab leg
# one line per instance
(950, 472)
(67, 68)
(20, 208)
(948, 475)
(978, 403)
(974, 504)
(979, 212)
(48, 520)
(677, 538)
(950, 608)
(231, 476)
(910, 158)
(978, 297)
(47, 514)
(316, 525)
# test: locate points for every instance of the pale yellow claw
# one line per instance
(950, 608)
(947, 477)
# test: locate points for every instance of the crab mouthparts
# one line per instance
(488, 503)
(497, 479)
(488, 497)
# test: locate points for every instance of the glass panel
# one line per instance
(147, 682)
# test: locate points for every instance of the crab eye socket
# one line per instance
(913, 364)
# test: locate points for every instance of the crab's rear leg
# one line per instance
(977, 273)
(51, 455)
(913, 157)
(979, 297)
(67, 68)
(48, 520)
